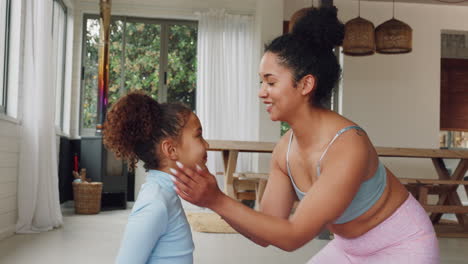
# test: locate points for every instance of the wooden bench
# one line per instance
(421, 188)
(250, 186)
(448, 203)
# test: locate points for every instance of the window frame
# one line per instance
(60, 125)
(163, 59)
(4, 84)
(451, 56)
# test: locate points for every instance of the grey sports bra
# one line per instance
(368, 194)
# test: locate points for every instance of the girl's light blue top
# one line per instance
(368, 194)
(157, 230)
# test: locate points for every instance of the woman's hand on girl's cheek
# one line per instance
(197, 186)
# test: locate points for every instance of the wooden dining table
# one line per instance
(230, 151)
(445, 186)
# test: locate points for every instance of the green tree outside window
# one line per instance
(137, 47)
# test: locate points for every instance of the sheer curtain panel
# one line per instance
(227, 82)
(38, 197)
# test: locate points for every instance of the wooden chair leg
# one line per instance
(423, 191)
(259, 190)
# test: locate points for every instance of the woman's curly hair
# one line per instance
(136, 124)
(308, 49)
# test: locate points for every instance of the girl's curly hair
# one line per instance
(136, 124)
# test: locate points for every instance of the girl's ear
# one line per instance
(169, 149)
(308, 84)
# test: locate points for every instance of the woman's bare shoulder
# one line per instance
(282, 146)
(280, 150)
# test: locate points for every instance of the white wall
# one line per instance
(10, 138)
(269, 22)
(9, 154)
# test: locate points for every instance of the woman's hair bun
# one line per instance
(320, 27)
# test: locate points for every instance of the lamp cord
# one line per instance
(359, 8)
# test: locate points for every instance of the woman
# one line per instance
(325, 160)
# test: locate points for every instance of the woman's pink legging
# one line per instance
(407, 236)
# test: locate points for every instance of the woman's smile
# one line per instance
(268, 105)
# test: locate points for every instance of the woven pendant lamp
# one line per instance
(359, 38)
(298, 15)
(394, 36)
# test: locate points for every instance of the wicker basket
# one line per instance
(87, 197)
(394, 37)
(359, 38)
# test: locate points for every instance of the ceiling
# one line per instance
(435, 2)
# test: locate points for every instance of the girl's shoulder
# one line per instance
(155, 209)
(150, 197)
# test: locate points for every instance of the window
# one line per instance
(59, 30)
(153, 55)
(453, 139)
(4, 40)
(454, 89)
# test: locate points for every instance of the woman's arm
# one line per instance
(278, 198)
(342, 173)
(245, 233)
(260, 228)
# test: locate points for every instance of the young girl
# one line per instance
(139, 128)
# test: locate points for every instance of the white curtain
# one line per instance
(38, 197)
(227, 82)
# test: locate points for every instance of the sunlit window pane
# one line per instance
(140, 52)
(3, 51)
(90, 62)
(182, 64)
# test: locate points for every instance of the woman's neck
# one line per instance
(312, 126)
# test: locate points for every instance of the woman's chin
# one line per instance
(274, 118)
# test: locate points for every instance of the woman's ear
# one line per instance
(308, 84)
(169, 149)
